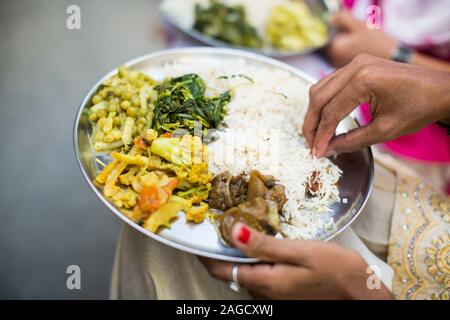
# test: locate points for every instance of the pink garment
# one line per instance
(430, 144)
(424, 26)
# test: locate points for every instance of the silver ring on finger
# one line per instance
(234, 284)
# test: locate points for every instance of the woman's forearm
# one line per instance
(445, 115)
(426, 61)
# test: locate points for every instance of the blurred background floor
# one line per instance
(49, 217)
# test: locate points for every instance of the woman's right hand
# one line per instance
(403, 98)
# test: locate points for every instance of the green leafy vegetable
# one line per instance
(181, 103)
(226, 23)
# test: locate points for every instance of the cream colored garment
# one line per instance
(373, 225)
(147, 269)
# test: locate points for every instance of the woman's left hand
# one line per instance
(298, 269)
(353, 38)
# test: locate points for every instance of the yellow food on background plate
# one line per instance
(292, 26)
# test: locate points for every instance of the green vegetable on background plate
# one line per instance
(226, 23)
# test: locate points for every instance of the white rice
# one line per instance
(262, 133)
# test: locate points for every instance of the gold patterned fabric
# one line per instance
(419, 245)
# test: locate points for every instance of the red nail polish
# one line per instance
(244, 234)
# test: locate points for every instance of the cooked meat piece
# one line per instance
(256, 186)
(264, 186)
(269, 181)
(219, 196)
(259, 214)
(227, 191)
(238, 189)
(278, 195)
(256, 203)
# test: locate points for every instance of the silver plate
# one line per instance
(320, 8)
(201, 239)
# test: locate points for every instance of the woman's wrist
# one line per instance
(364, 293)
(405, 55)
(429, 62)
(446, 114)
(441, 101)
(358, 287)
(446, 119)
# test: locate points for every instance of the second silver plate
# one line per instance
(320, 8)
